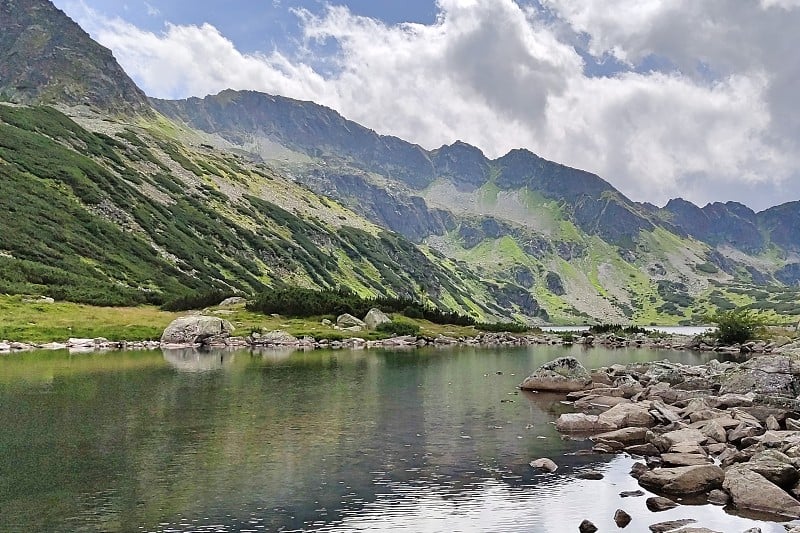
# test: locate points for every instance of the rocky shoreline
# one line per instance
(723, 432)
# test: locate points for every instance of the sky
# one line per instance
(662, 98)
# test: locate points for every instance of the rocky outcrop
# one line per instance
(197, 330)
(562, 375)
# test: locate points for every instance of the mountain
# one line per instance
(112, 198)
(567, 237)
(46, 58)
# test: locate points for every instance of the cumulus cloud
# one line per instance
(719, 124)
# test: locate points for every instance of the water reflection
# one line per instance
(435, 440)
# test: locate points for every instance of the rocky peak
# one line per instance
(46, 58)
(717, 223)
(462, 163)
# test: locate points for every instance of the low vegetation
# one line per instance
(737, 326)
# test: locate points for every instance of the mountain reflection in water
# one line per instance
(423, 440)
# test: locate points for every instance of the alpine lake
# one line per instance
(369, 440)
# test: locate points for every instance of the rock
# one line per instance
(770, 375)
(587, 527)
(718, 497)
(544, 464)
(751, 491)
(683, 479)
(232, 301)
(279, 337)
(631, 493)
(581, 423)
(684, 459)
(592, 475)
(646, 450)
(668, 440)
(196, 329)
(564, 374)
(638, 469)
(348, 321)
(375, 317)
(326, 322)
(625, 436)
(714, 430)
(621, 518)
(628, 415)
(772, 423)
(664, 527)
(775, 467)
(659, 503)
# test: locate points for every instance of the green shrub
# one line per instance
(616, 328)
(737, 326)
(502, 327)
(197, 300)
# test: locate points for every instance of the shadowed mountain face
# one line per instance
(47, 58)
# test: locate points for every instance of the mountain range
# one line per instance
(112, 197)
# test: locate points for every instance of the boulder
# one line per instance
(625, 436)
(751, 491)
(348, 321)
(672, 525)
(628, 415)
(684, 459)
(565, 374)
(775, 467)
(770, 375)
(658, 503)
(196, 329)
(667, 440)
(279, 337)
(581, 423)
(683, 479)
(375, 317)
(587, 527)
(621, 518)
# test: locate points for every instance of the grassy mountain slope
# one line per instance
(576, 246)
(135, 214)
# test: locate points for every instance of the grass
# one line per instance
(41, 322)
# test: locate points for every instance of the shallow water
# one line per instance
(419, 440)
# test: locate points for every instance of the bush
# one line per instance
(616, 328)
(737, 326)
(197, 300)
(503, 327)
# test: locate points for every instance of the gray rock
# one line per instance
(775, 467)
(683, 480)
(587, 527)
(348, 321)
(375, 317)
(196, 329)
(658, 503)
(668, 440)
(621, 518)
(625, 436)
(664, 527)
(751, 491)
(544, 464)
(718, 497)
(581, 423)
(684, 459)
(232, 301)
(771, 375)
(628, 415)
(564, 374)
(279, 337)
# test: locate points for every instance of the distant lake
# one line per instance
(418, 440)
(672, 330)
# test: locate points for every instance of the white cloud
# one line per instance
(498, 76)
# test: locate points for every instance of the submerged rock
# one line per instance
(565, 374)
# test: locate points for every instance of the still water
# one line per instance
(421, 440)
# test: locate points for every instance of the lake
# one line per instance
(418, 440)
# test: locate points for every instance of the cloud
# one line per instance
(152, 10)
(719, 124)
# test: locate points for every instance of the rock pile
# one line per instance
(726, 431)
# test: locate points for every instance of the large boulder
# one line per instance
(629, 415)
(349, 321)
(683, 479)
(196, 329)
(565, 374)
(375, 317)
(751, 491)
(775, 467)
(771, 375)
(582, 423)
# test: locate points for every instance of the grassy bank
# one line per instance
(39, 322)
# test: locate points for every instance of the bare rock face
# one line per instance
(751, 491)
(683, 479)
(196, 329)
(565, 374)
